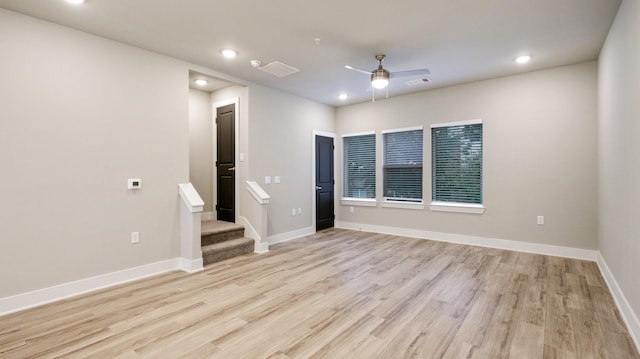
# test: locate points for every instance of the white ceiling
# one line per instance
(458, 40)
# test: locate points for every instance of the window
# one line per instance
(359, 166)
(457, 163)
(402, 165)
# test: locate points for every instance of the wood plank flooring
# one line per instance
(340, 294)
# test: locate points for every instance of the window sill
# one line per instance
(401, 204)
(457, 207)
(366, 202)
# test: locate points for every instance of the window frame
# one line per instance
(460, 207)
(359, 201)
(392, 202)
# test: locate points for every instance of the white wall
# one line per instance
(280, 144)
(539, 155)
(619, 158)
(80, 115)
(201, 146)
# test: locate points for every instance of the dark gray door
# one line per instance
(324, 183)
(225, 163)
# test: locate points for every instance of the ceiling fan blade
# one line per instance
(368, 73)
(418, 72)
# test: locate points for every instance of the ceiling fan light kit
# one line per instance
(380, 78)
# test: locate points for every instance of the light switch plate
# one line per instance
(267, 179)
(276, 179)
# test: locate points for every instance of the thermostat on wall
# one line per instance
(134, 183)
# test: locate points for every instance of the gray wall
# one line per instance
(201, 146)
(619, 145)
(79, 116)
(539, 155)
(280, 144)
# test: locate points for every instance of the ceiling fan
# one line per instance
(380, 76)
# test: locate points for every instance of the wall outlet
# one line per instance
(541, 220)
(134, 183)
(293, 211)
(135, 237)
(351, 210)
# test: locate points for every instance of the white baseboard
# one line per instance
(283, 237)
(517, 246)
(261, 248)
(207, 216)
(191, 265)
(628, 315)
(39, 297)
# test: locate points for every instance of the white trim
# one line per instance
(315, 133)
(628, 315)
(528, 247)
(230, 101)
(405, 129)
(352, 201)
(401, 204)
(458, 123)
(365, 133)
(323, 134)
(456, 207)
(191, 266)
(258, 192)
(66, 290)
(190, 197)
(284, 237)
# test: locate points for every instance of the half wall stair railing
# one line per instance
(190, 228)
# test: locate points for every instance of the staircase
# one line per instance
(223, 240)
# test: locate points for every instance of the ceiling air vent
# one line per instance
(417, 82)
(279, 69)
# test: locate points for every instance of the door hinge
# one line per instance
(217, 207)
(333, 181)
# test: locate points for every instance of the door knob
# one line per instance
(318, 188)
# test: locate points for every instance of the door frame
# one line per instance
(236, 111)
(315, 133)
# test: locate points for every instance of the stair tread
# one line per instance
(231, 243)
(214, 227)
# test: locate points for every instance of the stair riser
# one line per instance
(218, 256)
(221, 237)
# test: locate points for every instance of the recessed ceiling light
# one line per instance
(228, 53)
(343, 96)
(522, 59)
(201, 82)
(76, 1)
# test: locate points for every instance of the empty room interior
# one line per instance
(408, 179)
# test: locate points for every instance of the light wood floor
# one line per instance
(340, 294)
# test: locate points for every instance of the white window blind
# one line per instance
(402, 167)
(457, 163)
(359, 166)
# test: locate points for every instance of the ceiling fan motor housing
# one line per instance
(379, 74)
